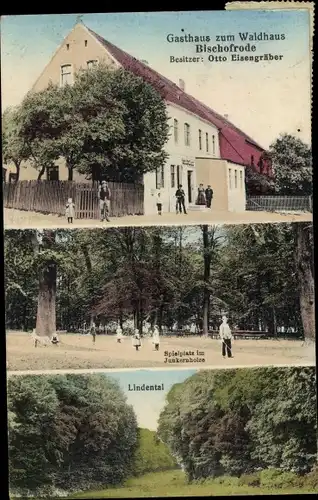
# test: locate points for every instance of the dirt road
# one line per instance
(79, 352)
(20, 219)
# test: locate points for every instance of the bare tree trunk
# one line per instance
(17, 166)
(46, 311)
(70, 172)
(41, 173)
(304, 264)
(89, 268)
(206, 278)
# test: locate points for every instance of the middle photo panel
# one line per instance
(184, 296)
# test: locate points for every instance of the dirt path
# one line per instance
(78, 352)
(20, 219)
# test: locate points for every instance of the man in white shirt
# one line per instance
(226, 338)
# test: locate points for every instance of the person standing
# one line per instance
(226, 338)
(180, 195)
(156, 337)
(70, 211)
(136, 340)
(159, 202)
(93, 331)
(119, 334)
(104, 200)
(201, 196)
(209, 196)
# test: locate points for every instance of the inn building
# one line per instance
(203, 146)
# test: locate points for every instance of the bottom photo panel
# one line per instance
(157, 433)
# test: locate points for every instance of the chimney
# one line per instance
(181, 84)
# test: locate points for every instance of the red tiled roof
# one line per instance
(235, 145)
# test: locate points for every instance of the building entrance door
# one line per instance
(190, 172)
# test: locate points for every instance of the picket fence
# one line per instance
(50, 197)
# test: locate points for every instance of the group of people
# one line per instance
(104, 196)
(205, 196)
(136, 337)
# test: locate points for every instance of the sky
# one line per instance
(264, 99)
(148, 405)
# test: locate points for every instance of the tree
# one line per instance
(124, 124)
(13, 147)
(69, 432)
(304, 264)
(292, 165)
(210, 244)
(41, 123)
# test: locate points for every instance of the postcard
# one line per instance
(157, 118)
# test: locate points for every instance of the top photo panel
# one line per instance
(162, 118)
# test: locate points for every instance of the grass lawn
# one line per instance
(173, 483)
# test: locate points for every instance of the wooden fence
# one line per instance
(279, 203)
(50, 197)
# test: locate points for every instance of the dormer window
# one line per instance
(92, 64)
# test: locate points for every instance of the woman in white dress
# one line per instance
(119, 334)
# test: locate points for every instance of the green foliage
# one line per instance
(75, 432)
(276, 478)
(13, 148)
(252, 479)
(158, 274)
(310, 480)
(292, 165)
(152, 455)
(110, 123)
(238, 421)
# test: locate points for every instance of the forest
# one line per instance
(227, 431)
(260, 275)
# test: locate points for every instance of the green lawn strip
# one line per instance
(173, 483)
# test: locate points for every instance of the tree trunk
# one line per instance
(17, 166)
(89, 268)
(46, 311)
(41, 173)
(274, 322)
(206, 279)
(70, 172)
(304, 265)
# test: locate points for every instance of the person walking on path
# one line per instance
(156, 338)
(180, 195)
(136, 340)
(226, 338)
(104, 201)
(93, 331)
(208, 196)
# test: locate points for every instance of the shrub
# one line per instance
(276, 478)
(225, 480)
(250, 479)
(310, 481)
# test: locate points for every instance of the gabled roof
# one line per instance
(235, 145)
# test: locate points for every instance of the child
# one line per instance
(70, 210)
(54, 339)
(159, 203)
(119, 334)
(156, 338)
(136, 341)
(93, 331)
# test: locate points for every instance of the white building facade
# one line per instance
(190, 137)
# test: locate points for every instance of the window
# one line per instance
(213, 145)
(200, 139)
(176, 130)
(92, 64)
(230, 178)
(173, 175)
(67, 46)
(66, 75)
(85, 43)
(241, 179)
(207, 142)
(252, 160)
(160, 177)
(235, 179)
(178, 176)
(52, 173)
(187, 134)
